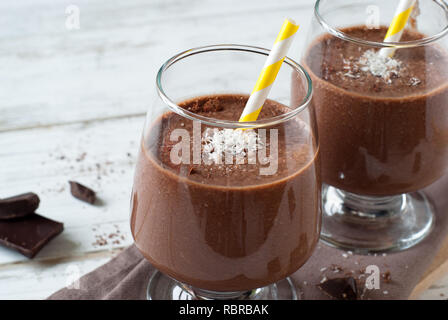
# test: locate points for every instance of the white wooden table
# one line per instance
(72, 105)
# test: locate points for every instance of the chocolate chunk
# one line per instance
(387, 277)
(18, 206)
(340, 288)
(29, 234)
(82, 192)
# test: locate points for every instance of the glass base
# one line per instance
(365, 224)
(162, 287)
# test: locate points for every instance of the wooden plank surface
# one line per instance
(61, 76)
(72, 106)
(37, 279)
(435, 280)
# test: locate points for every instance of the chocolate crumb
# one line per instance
(194, 107)
(386, 276)
(335, 268)
(212, 105)
(81, 157)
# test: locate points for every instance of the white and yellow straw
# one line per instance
(402, 14)
(269, 72)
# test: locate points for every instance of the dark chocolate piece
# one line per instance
(18, 206)
(29, 234)
(82, 192)
(340, 288)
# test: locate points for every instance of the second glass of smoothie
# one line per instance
(383, 122)
(223, 209)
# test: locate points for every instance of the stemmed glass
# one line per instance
(226, 231)
(383, 127)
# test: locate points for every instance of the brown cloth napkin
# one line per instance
(126, 276)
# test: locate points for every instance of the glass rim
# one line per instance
(231, 123)
(402, 44)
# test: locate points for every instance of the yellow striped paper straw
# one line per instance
(397, 25)
(270, 71)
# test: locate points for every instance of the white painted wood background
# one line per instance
(72, 105)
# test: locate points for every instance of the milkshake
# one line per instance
(225, 209)
(226, 227)
(382, 115)
(381, 134)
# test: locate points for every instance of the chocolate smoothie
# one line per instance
(383, 127)
(226, 227)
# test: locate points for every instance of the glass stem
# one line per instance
(201, 294)
(368, 207)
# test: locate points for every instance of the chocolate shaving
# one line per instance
(335, 268)
(82, 192)
(212, 105)
(18, 206)
(340, 288)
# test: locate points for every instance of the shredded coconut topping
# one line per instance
(414, 81)
(379, 66)
(217, 143)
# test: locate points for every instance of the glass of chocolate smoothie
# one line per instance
(226, 209)
(383, 121)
